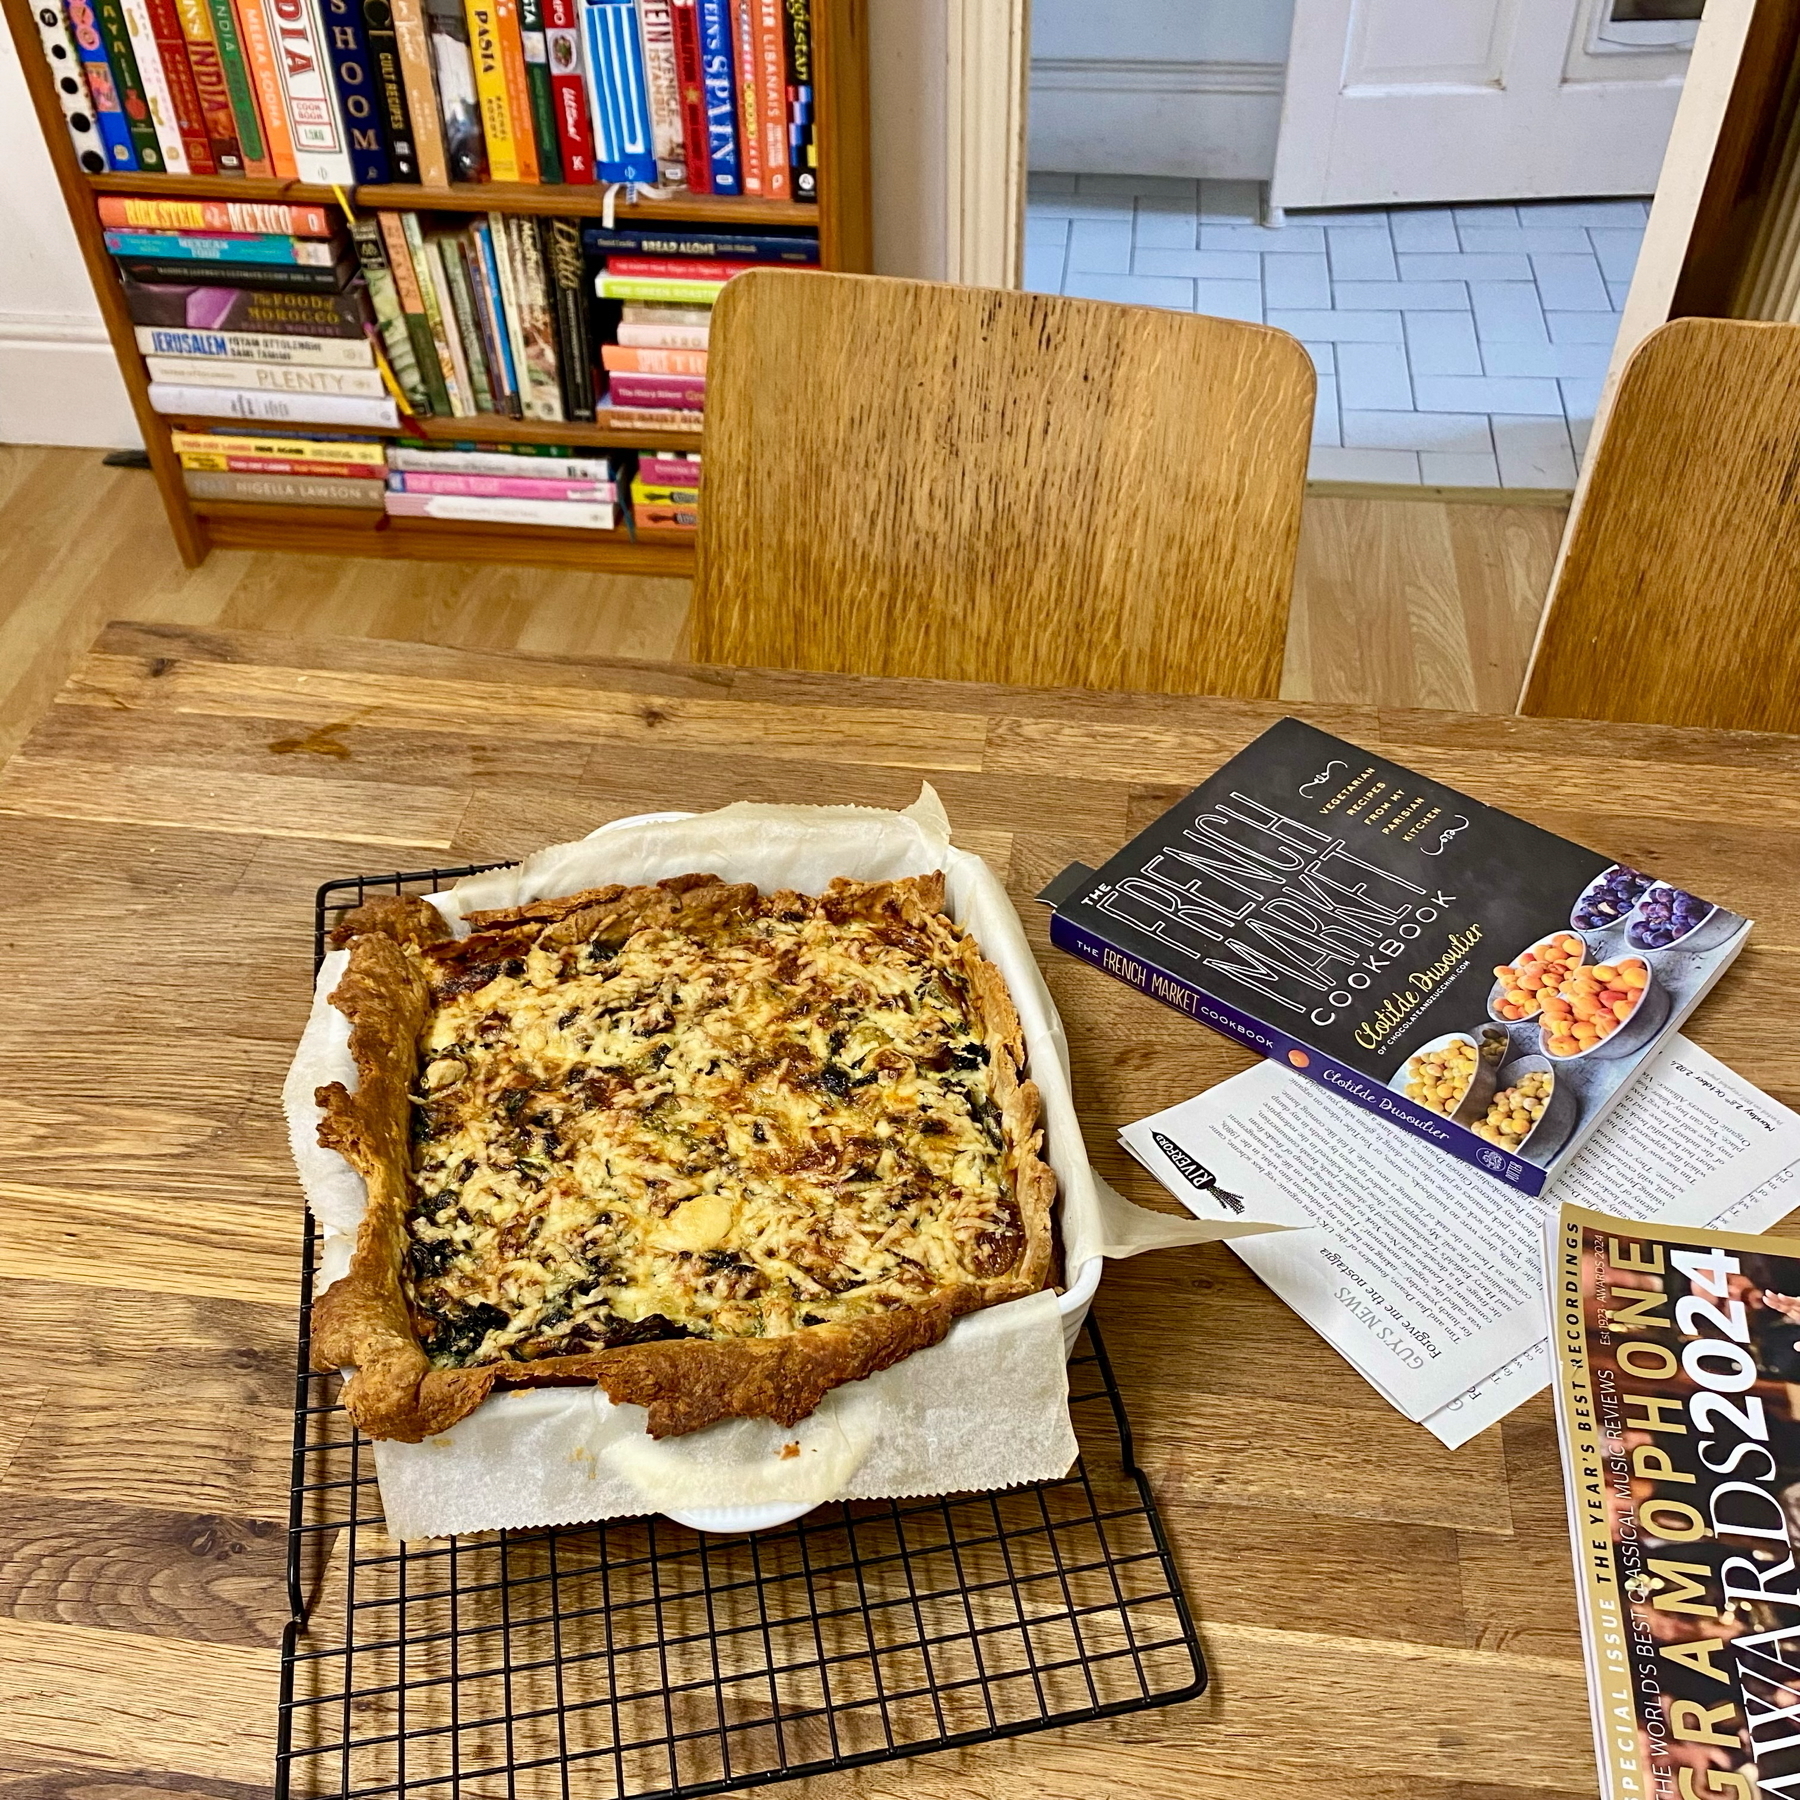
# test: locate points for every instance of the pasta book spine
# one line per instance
(103, 87)
(490, 88)
(569, 89)
(239, 90)
(358, 98)
(718, 69)
(623, 139)
(383, 40)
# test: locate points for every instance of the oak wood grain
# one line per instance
(947, 454)
(1380, 1613)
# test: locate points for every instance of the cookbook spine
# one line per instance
(384, 296)
(155, 85)
(412, 310)
(287, 490)
(303, 63)
(256, 27)
(662, 89)
(358, 97)
(382, 37)
(453, 258)
(490, 90)
(458, 93)
(73, 95)
(518, 87)
(568, 89)
(104, 88)
(146, 147)
(132, 212)
(536, 49)
(434, 294)
(229, 347)
(239, 90)
(290, 409)
(211, 95)
(690, 93)
(623, 139)
(496, 331)
(802, 145)
(413, 44)
(184, 96)
(771, 95)
(741, 15)
(562, 245)
(537, 321)
(718, 71)
(160, 270)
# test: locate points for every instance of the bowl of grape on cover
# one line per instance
(1609, 898)
(1670, 918)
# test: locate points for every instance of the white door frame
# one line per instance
(987, 68)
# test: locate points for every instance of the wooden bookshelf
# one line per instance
(841, 216)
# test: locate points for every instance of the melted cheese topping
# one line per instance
(785, 1124)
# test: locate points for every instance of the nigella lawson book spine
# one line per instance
(1475, 979)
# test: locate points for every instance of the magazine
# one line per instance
(1483, 983)
(1678, 1355)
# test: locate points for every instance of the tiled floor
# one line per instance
(1457, 346)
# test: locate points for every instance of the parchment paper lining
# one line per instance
(986, 1408)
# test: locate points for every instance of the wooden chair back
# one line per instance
(908, 478)
(1678, 598)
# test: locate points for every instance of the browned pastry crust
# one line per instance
(399, 948)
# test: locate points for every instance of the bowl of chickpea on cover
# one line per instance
(1519, 986)
(1454, 1075)
(1531, 1113)
(1602, 1009)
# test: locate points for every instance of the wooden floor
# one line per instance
(1398, 602)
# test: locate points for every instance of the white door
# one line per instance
(1398, 101)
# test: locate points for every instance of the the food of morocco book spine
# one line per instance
(1414, 950)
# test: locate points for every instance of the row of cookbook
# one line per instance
(510, 484)
(715, 96)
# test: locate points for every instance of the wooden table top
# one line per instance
(1384, 1618)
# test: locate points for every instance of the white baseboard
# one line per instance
(59, 384)
(1100, 116)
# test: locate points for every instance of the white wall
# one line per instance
(60, 385)
(58, 381)
(1158, 87)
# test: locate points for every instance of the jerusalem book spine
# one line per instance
(717, 67)
(227, 347)
(382, 37)
(414, 44)
(104, 87)
(358, 95)
(207, 67)
(569, 89)
(256, 29)
(239, 89)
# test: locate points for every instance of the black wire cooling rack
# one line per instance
(640, 1660)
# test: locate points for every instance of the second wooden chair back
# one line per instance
(1678, 599)
(906, 478)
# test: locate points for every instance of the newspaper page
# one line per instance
(1678, 1354)
(1421, 1271)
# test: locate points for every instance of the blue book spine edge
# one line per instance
(624, 148)
(484, 236)
(353, 74)
(1303, 1059)
(103, 91)
(800, 253)
(718, 70)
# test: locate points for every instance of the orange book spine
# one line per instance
(771, 97)
(628, 359)
(748, 95)
(259, 53)
(518, 91)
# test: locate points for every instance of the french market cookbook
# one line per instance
(1475, 979)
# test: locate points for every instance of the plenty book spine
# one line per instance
(414, 46)
(382, 38)
(210, 307)
(70, 82)
(287, 409)
(155, 85)
(256, 27)
(210, 92)
(408, 292)
(358, 97)
(157, 269)
(568, 88)
(146, 147)
(321, 145)
(132, 212)
(497, 487)
(561, 465)
(234, 247)
(746, 93)
(103, 87)
(623, 138)
(718, 71)
(562, 244)
(367, 452)
(228, 347)
(690, 91)
(184, 97)
(802, 144)
(459, 97)
(269, 378)
(283, 490)
(518, 87)
(536, 48)
(771, 95)
(490, 90)
(662, 86)
(585, 516)
(234, 63)
(384, 296)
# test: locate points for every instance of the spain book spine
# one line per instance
(690, 90)
(214, 98)
(382, 39)
(412, 310)
(718, 71)
(184, 96)
(240, 93)
(536, 48)
(802, 143)
(358, 97)
(256, 29)
(569, 89)
(414, 45)
(622, 133)
(662, 87)
(562, 245)
(103, 87)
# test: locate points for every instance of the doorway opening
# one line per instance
(1444, 200)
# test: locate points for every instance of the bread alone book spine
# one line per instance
(358, 95)
(382, 38)
(702, 243)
